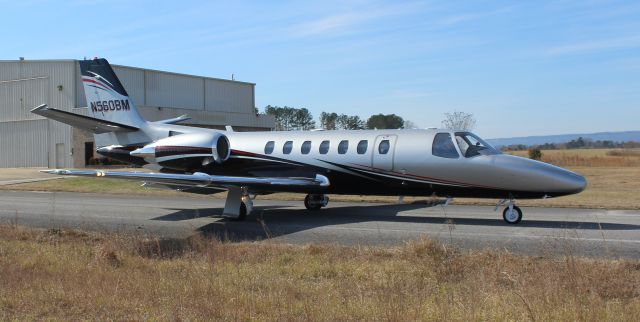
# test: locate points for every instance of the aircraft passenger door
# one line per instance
(383, 151)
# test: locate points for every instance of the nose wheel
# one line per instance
(512, 214)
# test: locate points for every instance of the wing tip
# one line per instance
(56, 171)
(39, 108)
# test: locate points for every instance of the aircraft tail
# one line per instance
(106, 97)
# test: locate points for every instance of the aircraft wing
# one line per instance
(203, 180)
(82, 122)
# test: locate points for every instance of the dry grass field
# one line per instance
(71, 275)
(615, 158)
(613, 177)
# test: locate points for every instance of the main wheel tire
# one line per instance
(512, 216)
(243, 213)
(308, 205)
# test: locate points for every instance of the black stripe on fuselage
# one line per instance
(350, 179)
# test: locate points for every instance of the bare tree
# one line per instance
(459, 121)
(410, 125)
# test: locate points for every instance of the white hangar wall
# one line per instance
(28, 140)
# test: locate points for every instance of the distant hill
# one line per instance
(563, 138)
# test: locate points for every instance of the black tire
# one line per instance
(243, 213)
(307, 204)
(512, 218)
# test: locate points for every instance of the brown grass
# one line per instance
(624, 153)
(589, 157)
(69, 275)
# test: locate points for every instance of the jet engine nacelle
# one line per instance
(186, 151)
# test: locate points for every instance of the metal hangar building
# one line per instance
(28, 140)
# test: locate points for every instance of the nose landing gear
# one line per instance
(511, 214)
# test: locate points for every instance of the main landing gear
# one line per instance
(315, 201)
(238, 204)
(512, 214)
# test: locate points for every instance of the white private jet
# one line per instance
(433, 162)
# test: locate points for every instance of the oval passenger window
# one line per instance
(383, 148)
(268, 148)
(306, 147)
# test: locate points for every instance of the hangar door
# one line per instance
(23, 135)
(383, 151)
(23, 144)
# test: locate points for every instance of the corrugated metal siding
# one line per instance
(168, 90)
(61, 87)
(23, 144)
(133, 82)
(28, 84)
(19, 97)
(222, 96)
(9, 70)
(27, 139)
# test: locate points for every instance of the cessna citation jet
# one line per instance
(431, 162)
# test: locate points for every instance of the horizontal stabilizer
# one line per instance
(175, 120)
(201, 180)
(82, 122)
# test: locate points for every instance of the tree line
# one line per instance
(291, 118)
(579, 143)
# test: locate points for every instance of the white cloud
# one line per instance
(595, 46)
(345, 21)
(468, 16)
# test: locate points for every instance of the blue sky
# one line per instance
(521, 67)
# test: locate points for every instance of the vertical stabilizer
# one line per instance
(106, 97)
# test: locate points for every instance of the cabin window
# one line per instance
(268, 148)
(324, 147)
(343, 146)
(443, 146)
(362, 146)
(383, 147)
(287, 147)
(306, 147)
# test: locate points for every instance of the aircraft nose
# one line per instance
(570, 182)
(559, 180)
(531, 175)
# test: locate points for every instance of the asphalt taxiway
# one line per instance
(543, 231)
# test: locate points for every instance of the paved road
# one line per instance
(606, 233)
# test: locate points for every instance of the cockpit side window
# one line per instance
(443, 146)
(471, 145)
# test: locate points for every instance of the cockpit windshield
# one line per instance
(471, 145)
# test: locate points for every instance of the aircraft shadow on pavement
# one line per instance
(274, 221)
(188, 214)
